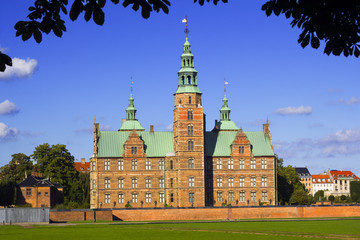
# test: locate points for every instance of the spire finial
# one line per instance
(186, 27)
(225, 83)
(94, 119)
(131, 85)
(267, 120)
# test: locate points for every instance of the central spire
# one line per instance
(187, 75)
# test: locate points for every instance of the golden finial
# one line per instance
(186, 27)
(225, 83)
(131, 85)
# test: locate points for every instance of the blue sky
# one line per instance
(312, 100)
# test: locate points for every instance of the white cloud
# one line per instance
(6, 132)
(294, 110)
(21, 68)
(340, 143)
(7, 107)
(352, 101)
(3, 50)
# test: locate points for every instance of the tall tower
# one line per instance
(189, 130)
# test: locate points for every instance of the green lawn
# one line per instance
(331, 229)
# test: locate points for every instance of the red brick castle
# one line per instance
(189, 167)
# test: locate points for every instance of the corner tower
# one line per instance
(189, 130)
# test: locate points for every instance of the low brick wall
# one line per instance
(216, 213)
(236, 213)
(67, 215)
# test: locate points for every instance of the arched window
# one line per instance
(188, 62)
(171, 164)
(189, 99)
(190, 145)
(184, 62)
(190, 115)
(182, 80)
(191, 163)
(188, 79)
(190, 130)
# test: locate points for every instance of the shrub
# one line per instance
(331, 198)
(342, 197)
(128, 205)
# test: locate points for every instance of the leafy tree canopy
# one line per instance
(300, 197)
(335, 22)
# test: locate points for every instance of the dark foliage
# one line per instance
(335, 22)
(355, 191)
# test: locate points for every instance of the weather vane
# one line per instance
(186, 27)
(225, 83)
(131, 85)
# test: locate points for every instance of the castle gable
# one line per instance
(219, 143)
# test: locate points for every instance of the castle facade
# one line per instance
(189, 167)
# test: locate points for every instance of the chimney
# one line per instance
(123, 120)
(152, 128)
(82, 160)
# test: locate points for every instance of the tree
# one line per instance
(300, 197)
(335, 22)
(57, 163)
(319, 195)
(355, 190)
(331, 198)
(12, 174)
(45, 16)
(288, 180)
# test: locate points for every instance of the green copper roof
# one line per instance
(157, 144)
(218, 143)
(227, 125)
(131, 125)
(187, 89)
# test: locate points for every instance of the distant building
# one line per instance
(342, 181)
(305, 178)
(322, 182)
(82, 166)
(39, 192)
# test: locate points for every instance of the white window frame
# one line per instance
(230, 181)
(107, 165)
(107, 198)
(121, 198)
(121, 182)
(191, 181)
(121, 165)
(231, 164)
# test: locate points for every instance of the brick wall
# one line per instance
(79, 215)
(235, 213)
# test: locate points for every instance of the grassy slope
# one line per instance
(231, 230)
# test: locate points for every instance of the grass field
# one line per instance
(328, 229)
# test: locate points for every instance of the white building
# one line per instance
(322, 182)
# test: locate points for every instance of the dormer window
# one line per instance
(241, 150)
(133, 150)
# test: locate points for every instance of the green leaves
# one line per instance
(4, 60)
(333, 22)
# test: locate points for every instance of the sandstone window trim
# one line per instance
(134, 197)
(219, 182)
(190, 115)
(253, 181)
(161, 182)
(242, 163)
(121, 165)
(107, 198)
(218, 164)
(147, 164)
(134, 182)
(147, 182)
(253, 163)
(190, 130)
(263, 163)
(242, 181)
(161, 197)
(134, 164)
(264, 196)
(191, 181)
(191, 197)
(230, 196)
(264, 181)
(107, 165)
(121, 197)
(230, 164)
(107, 182)
(191, 163)
(161, 164)
(242, 196)
(230, 181)
(219, 196)
(148, 197)
(253, 196)
(121, 182)
(191, 145)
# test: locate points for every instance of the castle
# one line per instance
(189, 167)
